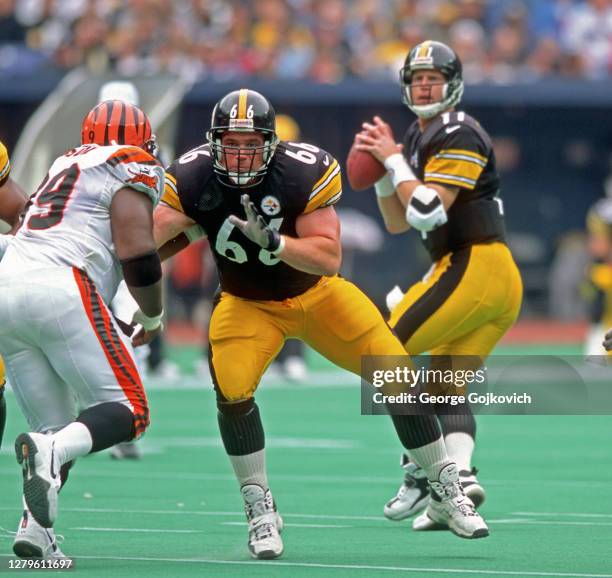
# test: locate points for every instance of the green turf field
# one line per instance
(178, 511)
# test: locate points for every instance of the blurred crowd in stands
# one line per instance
(325, 41)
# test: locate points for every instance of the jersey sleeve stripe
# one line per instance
(170, 196)
(451, 180)
(331, 190)
(333, 200)
(6, 171)
(466, 153)
(454, 168)
(461, 157)
(327, 178)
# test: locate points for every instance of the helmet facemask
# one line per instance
(246, 175)
(452, 92)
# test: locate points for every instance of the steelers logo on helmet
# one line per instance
(270, 205)
(432, 55)
(242, 111)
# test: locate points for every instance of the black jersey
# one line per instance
(300, 179)
(455, 150)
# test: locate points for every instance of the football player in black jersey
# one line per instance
(443, 182)
(267, 209)
(12, 202)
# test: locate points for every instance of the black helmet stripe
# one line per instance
(121, 132)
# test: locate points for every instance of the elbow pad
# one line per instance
(425, 210)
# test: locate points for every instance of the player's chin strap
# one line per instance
(257, 230)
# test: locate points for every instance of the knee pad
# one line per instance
(241, 428)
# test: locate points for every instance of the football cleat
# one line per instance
(265, 524)
(295, 369)
(413, 494)
(34, 541)
(126, 451)
(451, 508)
(473, 490)
(41, 475)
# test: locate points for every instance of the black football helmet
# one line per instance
(432, 55)
(243, 110)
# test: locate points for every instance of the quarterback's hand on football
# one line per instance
(608, 341)
(255, 227)
(377, 139)
(146, 328)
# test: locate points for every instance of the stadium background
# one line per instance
(539, 78)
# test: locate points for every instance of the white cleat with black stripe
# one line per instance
(41, 475)
(265, 524)
(452, 509)
(413, 494)
(34, 541)
(472, 489)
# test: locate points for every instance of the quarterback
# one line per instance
(267, 208)
(443, 182)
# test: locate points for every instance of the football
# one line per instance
(362, 169)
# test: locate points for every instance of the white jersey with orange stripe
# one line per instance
(68, 220)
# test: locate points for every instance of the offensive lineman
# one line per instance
(267, 209)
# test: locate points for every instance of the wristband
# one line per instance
(384, 187)
(148, 323)
(276, 242)
(399, 170)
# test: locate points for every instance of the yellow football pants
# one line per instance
(334, 317)
(463, 306)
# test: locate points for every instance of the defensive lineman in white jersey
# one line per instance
(72, 369)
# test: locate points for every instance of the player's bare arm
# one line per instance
(169, 228)
(315, 250)
(132, 226)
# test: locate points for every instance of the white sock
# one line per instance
(460, 447)
(431, 457)
(72, 441)
(251, 469)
